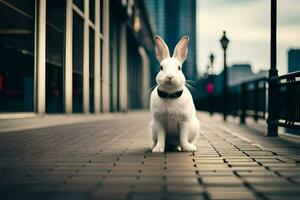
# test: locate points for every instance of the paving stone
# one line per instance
(289, 173)
(266, 181)
(151, 180)
(185, 189)
(109, 192)
(230, 193)
(277, 189)
(283, 196)
(147, 188)
(257, 173)
(247, 168)
(112, 160)
(259, 153)
(212, 166)
(175, 180)
(67, 195)
(203, 173)
(242, 164)
(279, 165)
(24, 195)
(185, 196)
(146, 196)
(243, 159)
(296, 179)
(180, 173)
(219, 181)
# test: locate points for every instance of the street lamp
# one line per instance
(212, 58)
(224, 43)
(273, 73)
(210, 85)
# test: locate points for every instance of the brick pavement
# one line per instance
(111, 160)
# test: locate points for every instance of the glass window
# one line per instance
(25, 6)
(101, 70)
(77, 63)
(79, 4)
(101, 16)
(55, 55)
(91, 67)
(17, 56)
(92, 10)
(134, 74)
(114, 68)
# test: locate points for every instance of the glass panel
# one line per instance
(134, 75)
(101, 70)
(25, 6)
(17, 56)
(101, 16)
(77, 63)
(91, 60)
(79, 3)
(55, 55)
(114, 69)
(92, 10)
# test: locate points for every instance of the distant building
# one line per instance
(237, 74)
(293, 65)
(293, 60)
(157, 16)
(173, 20)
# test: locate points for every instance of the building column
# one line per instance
(145, 77)
(86, 69)
(40, 62)
(97, 81)
(105, 56)
(68, 70)
(123, 68)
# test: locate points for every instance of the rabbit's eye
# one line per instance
(179, 68)
(161, 68)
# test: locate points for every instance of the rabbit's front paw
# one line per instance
(188, 147)
(158, 149)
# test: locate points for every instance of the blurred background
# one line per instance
(93, 56)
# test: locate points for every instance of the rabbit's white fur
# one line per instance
(172, 118)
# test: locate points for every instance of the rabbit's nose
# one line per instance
(169, 78)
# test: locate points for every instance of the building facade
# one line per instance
(74, 56)
(172, 20)
(293, 60)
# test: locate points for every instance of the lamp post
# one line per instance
(273, 73)
(210, 86)
(224, 43)
(212, 58)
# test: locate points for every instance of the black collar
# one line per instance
(165, 95)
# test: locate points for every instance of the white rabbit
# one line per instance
(174, 121)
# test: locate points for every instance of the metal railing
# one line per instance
(288, 102)
(250, 99)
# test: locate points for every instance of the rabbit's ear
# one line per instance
(181, 49)
(161, 49)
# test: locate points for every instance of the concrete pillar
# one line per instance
(68, 71)
(97, 86)
(40, 62)
(145, 77)
(105, 56)
(86, 69)
(123, 69)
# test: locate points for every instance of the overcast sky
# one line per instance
(247, 23)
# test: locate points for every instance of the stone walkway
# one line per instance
(110, 159)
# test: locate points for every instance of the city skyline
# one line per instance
(248, 27)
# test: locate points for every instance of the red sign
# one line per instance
(210, 88)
